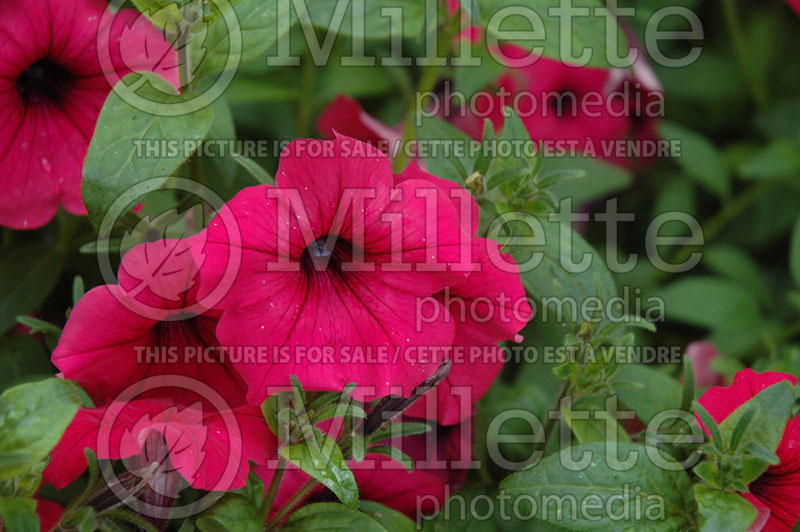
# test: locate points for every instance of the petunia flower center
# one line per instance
(326, 252)
(44, 81)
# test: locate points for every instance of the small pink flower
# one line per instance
(795, 4)
(52, 87)
(702, 353)
(778, 488)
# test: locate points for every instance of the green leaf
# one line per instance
(452, 519)
(394, 453)
(117, 158)
(299, 393)
(762, 453)
(549, 278)
(254, 490)
(222, 129)
(331, 517)
(723, 306)
(595, 428)
(78, 289)
(254, 169)
(437, 141)
(374, 24)
(709, 473)
(470, 79)
(32, 419)
(19, 515)
(639, 323)
(601, 179)
(711, 426)
(24, 485)
(699, 158)
(321, 458)
(721, 510)
(162, 13)
(51, 332)
(740, 428)
(780, 158)
(233, 513)
(260, 27)
(398, 430)
(354, 81)
(548, 179)
(658, 392)
(39, 326)
(665, 496)
(587, 31)
(517, 165)
(389, 519)
(772, 408)
(27, 275)
(732, 262)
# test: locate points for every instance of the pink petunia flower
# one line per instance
(487, 307)
(778, 488)
(52, 86)
(702, 352)
(795, 4)
(335, 258)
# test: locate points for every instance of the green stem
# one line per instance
(184, 56)
(307, 97)
(756, 87)
(294, 501)
(274, 484)
(714, 225)
(549, 426)
(427, 82)
(734, 208)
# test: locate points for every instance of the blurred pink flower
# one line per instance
(52, 87)
(702, 353)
